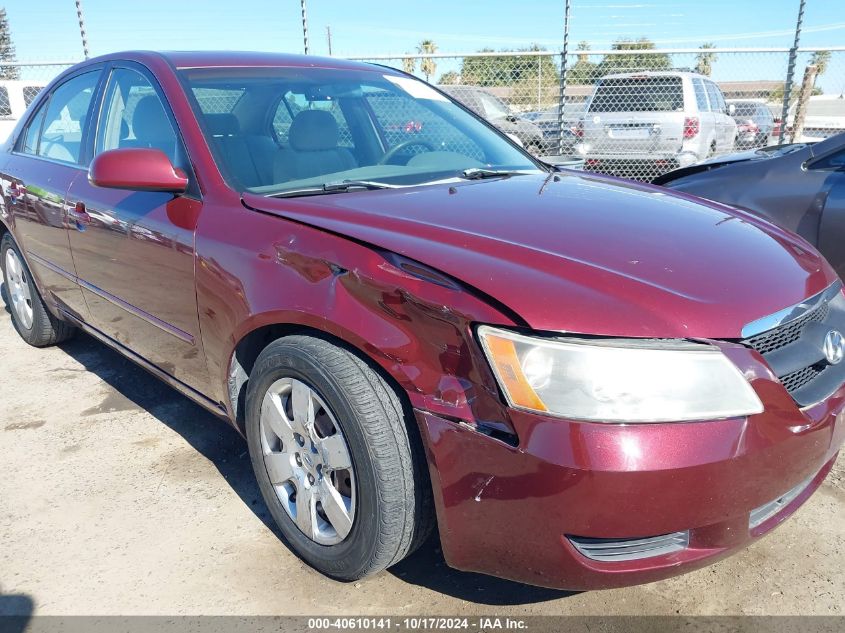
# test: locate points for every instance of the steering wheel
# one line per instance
(404, 145)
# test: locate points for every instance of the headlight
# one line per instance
(617, 380)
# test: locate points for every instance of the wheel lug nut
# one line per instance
(298, 460)
(310, 479)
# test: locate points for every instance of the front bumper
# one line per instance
(511, 511)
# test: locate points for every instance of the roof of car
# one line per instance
(218, 59)
(655, 73)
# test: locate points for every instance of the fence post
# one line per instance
(561, 102)
(790, 70)
(539, 81)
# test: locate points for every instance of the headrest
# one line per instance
(223, 124)
(313, 130)
(149, 121)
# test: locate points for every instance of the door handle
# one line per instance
(78, 215)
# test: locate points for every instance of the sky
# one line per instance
(48, 29)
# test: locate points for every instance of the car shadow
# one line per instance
(15, 612)
(227, 451)
(427, 568)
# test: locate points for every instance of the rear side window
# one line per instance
(66, 118)
(700, 95)
(642, 93)
(5, 105)
(717, 101)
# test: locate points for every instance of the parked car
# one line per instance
(642, 124)
(590, 383)
(547, 122)
(754, 123)
(496, 111)
(15, 97)
(799, 186)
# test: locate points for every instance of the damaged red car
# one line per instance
(579, 382)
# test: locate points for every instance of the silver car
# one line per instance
(645, 123)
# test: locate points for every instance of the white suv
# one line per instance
(636, 124)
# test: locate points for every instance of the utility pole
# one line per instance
(790, 71)
(561, 105)
(82, 28)
(304, 28)
(329, 38)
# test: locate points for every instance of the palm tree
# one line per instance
(820, 60)
(428, 66)
(704, 60)
(409, 65)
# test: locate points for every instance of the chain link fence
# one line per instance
(635, 113)
(638, 113)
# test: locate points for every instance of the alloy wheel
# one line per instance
(19, 290)
(308, 461)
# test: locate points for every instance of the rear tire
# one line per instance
(386, 494)
(33, 322)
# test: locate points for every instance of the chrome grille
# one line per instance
(791, 342)
(614, 550)
(768, 510)
(788, 333)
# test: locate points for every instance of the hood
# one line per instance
(584, 253)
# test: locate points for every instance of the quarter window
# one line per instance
(33, 132)
(66, 119)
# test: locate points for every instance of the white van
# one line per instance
(639, 123)
(15, 97)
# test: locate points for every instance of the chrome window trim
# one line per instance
(782, 317)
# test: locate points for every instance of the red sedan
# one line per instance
(581, 382)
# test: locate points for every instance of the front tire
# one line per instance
(337, 461)
(30, 316)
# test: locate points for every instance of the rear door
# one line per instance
(48, 156)
(134, 250)
(637, 114)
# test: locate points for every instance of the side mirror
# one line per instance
(731, 109)
(137, 169)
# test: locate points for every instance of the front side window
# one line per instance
(309, 127)
(134, 116)
(66, 118)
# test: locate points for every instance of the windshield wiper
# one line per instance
(333, 187)
(479, 173)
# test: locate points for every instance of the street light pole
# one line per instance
(304, 28)
(82, 28)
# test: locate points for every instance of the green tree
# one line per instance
(449, 78)
(7, 49)
(704, 60)
(583, 71)
(508, 70)
(428, 66)
(630, 62)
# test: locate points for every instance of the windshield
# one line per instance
(277, 130)
(638, 93)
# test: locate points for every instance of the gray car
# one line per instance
(801, 187)
(754, 123)
(499, 114)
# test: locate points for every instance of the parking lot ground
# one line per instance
(119, 496)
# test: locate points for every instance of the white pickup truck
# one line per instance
(15, 97)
